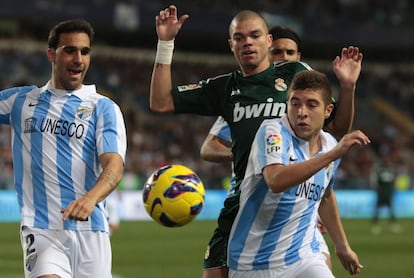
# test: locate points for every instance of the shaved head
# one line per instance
(244, 16)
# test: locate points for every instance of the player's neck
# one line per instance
(251, 70)
(315, 144)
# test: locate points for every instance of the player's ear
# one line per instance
(269, 40)
(230, 44)
(51, 53)
(328, 110)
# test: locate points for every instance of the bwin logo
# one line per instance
(269, 109)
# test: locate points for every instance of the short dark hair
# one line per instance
(77, 25)
(279, 32)
(315, 80)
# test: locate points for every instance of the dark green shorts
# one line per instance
(216, 253)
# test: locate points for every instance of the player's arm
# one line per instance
(280, 177)
(330, 216)
(215, 149)
(167, 26)
(347, 69)
(108, 180)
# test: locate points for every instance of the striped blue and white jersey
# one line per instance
(57, 138)
(274, 230)
(221, 129)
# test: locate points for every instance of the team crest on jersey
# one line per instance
(188, 87)
(31, 261)
(84, 112)
(280, 85)
(273, 143)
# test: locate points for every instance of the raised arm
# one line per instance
(347, 69)
(167, 26)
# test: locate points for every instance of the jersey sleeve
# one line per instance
(7, 101)
(111, 131)
(221, 129)
(203, 98)
(269, 146)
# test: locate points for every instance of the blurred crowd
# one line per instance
(385, 12)
(155, 140)
(380, 12)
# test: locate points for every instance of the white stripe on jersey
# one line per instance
(275, 230)
(221, 129)
(57, 140)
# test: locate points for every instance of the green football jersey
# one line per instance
(244, 102)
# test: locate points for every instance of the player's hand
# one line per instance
(79, 209)
(349, 260)
(348, 67)
(321, 226)
(354, 138)
(167, 23)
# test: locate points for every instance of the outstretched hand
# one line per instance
(354, 138)
(348, 67)
(167, 23)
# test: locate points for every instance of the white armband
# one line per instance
(164, 52)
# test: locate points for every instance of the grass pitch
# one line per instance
(145, 249)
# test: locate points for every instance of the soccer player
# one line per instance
(243, 98)
(286, 46)
(384, 176)
(291, 170)
(68, 148)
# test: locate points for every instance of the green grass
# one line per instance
(145, 249)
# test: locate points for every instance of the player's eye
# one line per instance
(237, 38)
(276, 51)
(313, 104)
(73, 49)
(294, 102)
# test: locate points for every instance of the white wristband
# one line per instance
(164, 52)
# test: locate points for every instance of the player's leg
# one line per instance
(324, 248)
(394, 226)
(376, 228)
(221, 272)
(93, 257)
(215, 259)
(45, 253)
(313, 266)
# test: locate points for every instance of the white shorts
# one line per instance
(322, 243)
(313, 266)
(80, 254)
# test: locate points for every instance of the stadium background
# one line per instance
(123, 55)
